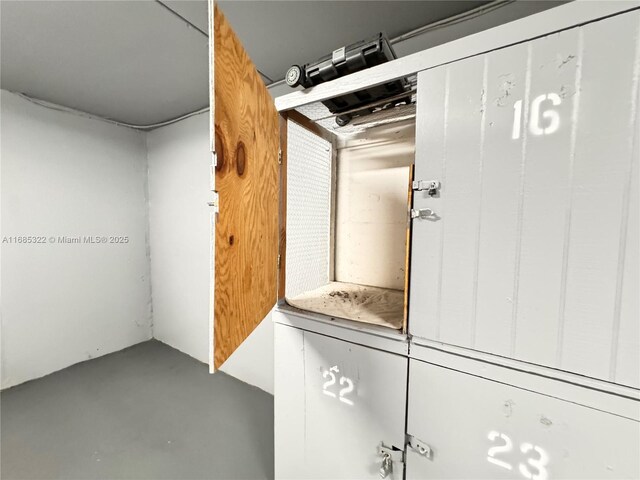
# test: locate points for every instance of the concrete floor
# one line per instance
(147, 412)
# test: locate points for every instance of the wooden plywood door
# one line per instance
(247, 182)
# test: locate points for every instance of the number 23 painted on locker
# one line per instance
(539, 463)
(343, 392)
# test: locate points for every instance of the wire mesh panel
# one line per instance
(308, 210)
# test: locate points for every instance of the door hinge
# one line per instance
(279, 156)
(431, 186)
(278, 261)
(215, 202)
(419, 446)
(423, 213)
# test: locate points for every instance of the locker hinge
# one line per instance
(215, 202)
(431, 186)
(278, 261)
(279, 156)
(419, 446)
(212, 172)
(423, 213)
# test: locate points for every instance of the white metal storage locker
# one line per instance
(481, 428)
(534, 254)
(337, 404)
(519, 325)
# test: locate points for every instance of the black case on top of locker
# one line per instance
(344, 61)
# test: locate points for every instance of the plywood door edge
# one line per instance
(282, 220)
(212, 236)
(407, 258)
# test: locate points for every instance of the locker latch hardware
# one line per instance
(215, 202)
(389, 455)
(419, 446)
(424, 213)
(431, 186)
(339, 55)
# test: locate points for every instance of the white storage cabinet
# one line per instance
(456, 279)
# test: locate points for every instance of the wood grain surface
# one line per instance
(283, 207)
(247, 176)
(407, 258)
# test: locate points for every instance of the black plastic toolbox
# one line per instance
(347, 60)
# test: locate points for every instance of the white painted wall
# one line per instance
(65, 175)
(253, 361)
(179, 226)
(179, 218)
(371, 212)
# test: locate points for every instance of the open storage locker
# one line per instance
(348, 194)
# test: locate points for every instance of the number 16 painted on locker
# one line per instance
(551, 116)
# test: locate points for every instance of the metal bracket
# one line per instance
(420, 447)
(215, 202)
(431, 186)
(394, 454)
(280, 156)
(423, 213)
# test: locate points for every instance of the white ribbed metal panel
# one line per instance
(335, 402)
(309, 159)
(533, 253)
(510, 433)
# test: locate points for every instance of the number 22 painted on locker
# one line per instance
(343, 392)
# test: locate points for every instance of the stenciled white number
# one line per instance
(326, 385)
(493, 451)
(539, 464)
(343, 392)
(348, 389)
(551, 116)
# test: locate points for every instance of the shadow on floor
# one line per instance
(147, 412)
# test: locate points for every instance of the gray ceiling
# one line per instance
(137, 62)
(279, 33)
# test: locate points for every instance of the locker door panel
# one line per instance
(335, 402)
(247, 181)
(527, 255)
(478, 428)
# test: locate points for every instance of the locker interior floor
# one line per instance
(146, 412)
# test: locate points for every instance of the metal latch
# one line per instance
(423, 213)
(215, 202)
(431, 186)
(339, 55)
(389, 455)
(420, 447)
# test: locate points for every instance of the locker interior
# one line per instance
(348, 196)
